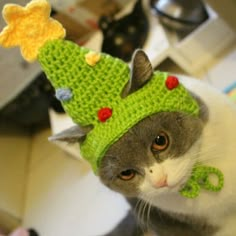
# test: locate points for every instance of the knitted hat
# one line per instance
(90, 84)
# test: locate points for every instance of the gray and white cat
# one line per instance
(154, 159)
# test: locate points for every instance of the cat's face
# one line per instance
(155, 156)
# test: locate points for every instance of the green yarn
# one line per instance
(92, 87)
(100, 86)
(153, 98)
(200, 178)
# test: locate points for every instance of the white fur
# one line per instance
(217, 148)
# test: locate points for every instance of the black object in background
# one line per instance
(32, 232)
(30, 107)
(121, 37)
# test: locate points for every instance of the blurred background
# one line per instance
(50, 188)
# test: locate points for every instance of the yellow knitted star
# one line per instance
(29, 27)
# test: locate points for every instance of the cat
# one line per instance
(152, 161)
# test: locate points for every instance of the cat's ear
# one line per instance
(71, 135)
(141, 72)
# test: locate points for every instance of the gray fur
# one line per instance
(204, 112)
(162, 223)
(71, 135)
(141, 72)
(129, 226)
(132, 151)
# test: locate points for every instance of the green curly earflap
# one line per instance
(200, 178)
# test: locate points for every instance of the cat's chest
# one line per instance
(192, 223)
(202, 210)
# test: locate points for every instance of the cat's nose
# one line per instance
(162, 182)
(157, 176)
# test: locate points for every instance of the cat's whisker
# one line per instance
(140, 204)
(137, 204)
(149, 209)
(144, 210)
(208, 149)
(203, 157)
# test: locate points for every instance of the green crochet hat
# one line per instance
(90, 86)
(91, 94)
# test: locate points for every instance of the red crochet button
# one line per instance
(104, 114)
(172, 82)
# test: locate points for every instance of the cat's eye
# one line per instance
(127, 174)
(160, 143)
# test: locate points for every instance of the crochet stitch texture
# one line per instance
(100, 86)
(90, 84)
(200, 178)
(29, 27)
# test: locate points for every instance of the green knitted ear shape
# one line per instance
(91, 94)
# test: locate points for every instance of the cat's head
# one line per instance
(157, 154)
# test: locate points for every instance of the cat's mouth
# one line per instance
(178, 178)
(165, 179)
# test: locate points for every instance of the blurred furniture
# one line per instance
(226, 10)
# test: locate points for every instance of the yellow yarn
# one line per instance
(29, 27)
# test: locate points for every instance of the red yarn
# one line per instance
(172, 82)
(104, 114)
